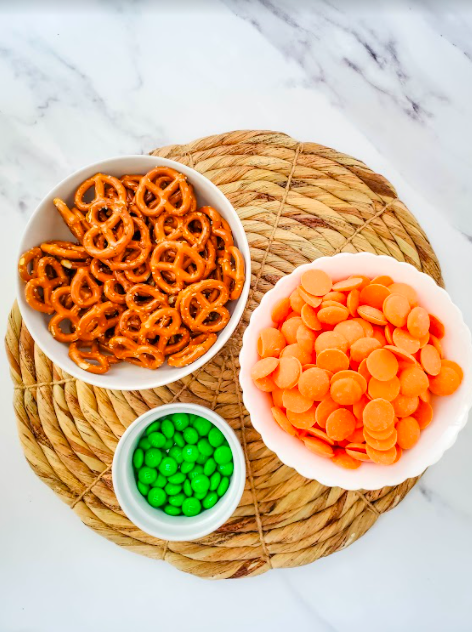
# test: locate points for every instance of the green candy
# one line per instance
(223, 455)
(176, 453)
(226, 469)
(191, 507)
(138, 458)
(168, 444)
(209, 467)
(210, 500)
(199, 495)
(179, 439)
(167, 428)
(190, 453)
(156, 440)
(153, 457)
(147, 475)
(177, 501)
(215, 437)
(144, 489)
(198, 469)
(193, 418)
(145, 444)
(202, 459)
(167, 467)
(223, 487)
(204, 447)
(215, 481)
(181, 420)
(186, 467)
(156, 497)
(154, 427)
(177, 479)
(172, 490)
(188, 491)
(190, 436)
(160, 481)
(202, 426)
(200, 484)
(172, 511)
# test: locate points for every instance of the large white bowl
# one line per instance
(450, 413)
(154, 521)
(46, 224)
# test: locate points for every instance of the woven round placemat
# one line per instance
(297, 201)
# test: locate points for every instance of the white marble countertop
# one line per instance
(389, 82)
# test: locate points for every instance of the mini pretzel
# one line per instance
(98, 320)
(130, 323)
(99, 182)
(114, 291)
(64, 249)
(119, 218)
(168, 227)
(84, 359)
(145, 298)
(198, 238)
(44, 282)
(233, 272)
(205, 313)
(30, 256)
(66, 311)
(101, 271)
(74, 219)
(165, 321)
(139, 274)
(136, 251)
(176, 343)
(144, 355)
(84, 290)
(186, 266)
(197, 347)
(177, 182)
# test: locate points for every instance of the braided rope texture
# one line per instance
(297, 202)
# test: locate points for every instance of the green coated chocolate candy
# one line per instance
(167, 428)
(209, 467)
(193, 418)
(204, 447)
(202, 426)
(215, 481)
(153, 457)
(172, 511)
(223, 455)
(179, 439)
(145, 444)
(200, 484)
(210, 500)
(215, 437)
(202, 459)
(177, 479)
(177, 500)
(176, 453)
(198, 469)
(190, 435)
(187, 466)
(199, 495)
(168, 444)
(156, 440)
(168, 466)
(144, 489)
(191, 506)
(180, 420)
(157, 497)
(154, 427)
(138, 458)
(223, 486)
(172, 490)
(160, 481)
(147, 475)
(188, 491)
(226, 469)
(190, 453)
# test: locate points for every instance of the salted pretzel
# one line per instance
(144, 355)
(93, 361)
(38, 290)
(140, 274)
(30, 256)
(84, 290)
(65, 312)
(145, 298)
(108, 228)
(201, 310)
(232, 265)
(168, 227)
(75, 219)
(196, 349)
(64, 249)
(99, 182)
(165, 321)
(98, 319)
(196, 238)
(175, 343)
(186, 266)
(162, 192)
(136, 251)
(130, 323)
(100, 270)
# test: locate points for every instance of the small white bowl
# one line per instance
(450, 413)
(46, 224)
(155, 521)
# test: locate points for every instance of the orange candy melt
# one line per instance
(352, 367)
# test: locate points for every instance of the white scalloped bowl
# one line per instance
(46, 224)
(450, 413)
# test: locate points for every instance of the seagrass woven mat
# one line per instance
(297, 201)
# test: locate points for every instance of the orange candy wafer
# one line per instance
(319, 447)
(287, 373)
(313, 384)
(270, 343)
(374, 295)
(340, 424)
(350, 330)
(396, 309)
(302, 420)
(343, 459)
(378, 415)
(430, 360)
(289, 329)
(382, 364)
(418, 322)
(333, 360)
(310, 318)
(283, 422)
(408, 431)
(264, 367)
(281, 310)
(316, 282)
(294, 401)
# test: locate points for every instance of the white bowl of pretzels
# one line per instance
(133, 272)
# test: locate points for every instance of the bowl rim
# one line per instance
(418, 466)
(123, 490)
(108, 380)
